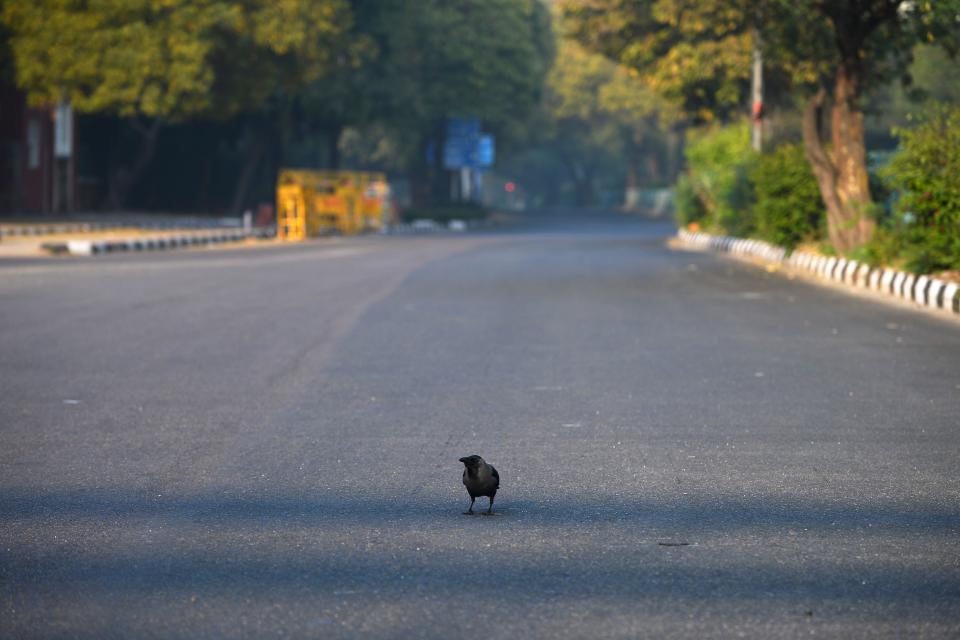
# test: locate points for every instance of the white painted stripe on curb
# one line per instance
(838, 269)
(950, 297)
(79, 247)
(920, 290)
(848, 273)
(897, 286)
(861, 277)
(908, 286)
(933, 294)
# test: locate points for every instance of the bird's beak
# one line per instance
(463, 460)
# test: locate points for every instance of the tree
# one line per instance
(695, 53)
(926, 170)
(438, 59)
(597, 109)
(157, 61)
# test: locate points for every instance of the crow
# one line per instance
(480, 479)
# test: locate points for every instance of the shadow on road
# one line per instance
(719, 514)
(218, 543)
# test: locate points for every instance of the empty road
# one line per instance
(263, 443)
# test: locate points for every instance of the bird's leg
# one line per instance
(490, 508)
(469, 512)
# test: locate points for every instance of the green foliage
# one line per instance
(170, 59)
(687, 206)
(437, 59)
(883, 249)
(696, 54)
(719, 160)
(788, 208)
(480, 58)
(926, 171)
(597, 114)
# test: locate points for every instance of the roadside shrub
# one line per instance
(788, 208)
(883, 249)
(926, 171)
(719, 160)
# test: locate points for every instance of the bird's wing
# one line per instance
(464, 476)
(496, 476)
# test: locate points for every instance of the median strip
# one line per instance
(149, 243)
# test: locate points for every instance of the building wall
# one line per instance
(11, 149)
(27, 163)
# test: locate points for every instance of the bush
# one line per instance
(926, 170)
(686, 203)
(719, 161)
(883, 249)
(788, 209)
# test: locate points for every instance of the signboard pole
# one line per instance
(63, 165)
(465, 183)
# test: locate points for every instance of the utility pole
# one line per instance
(756, 93)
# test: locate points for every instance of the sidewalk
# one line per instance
(96, 235)
(25, 237)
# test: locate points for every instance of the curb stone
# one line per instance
(15, 230)
(100, 247)
(924, 291)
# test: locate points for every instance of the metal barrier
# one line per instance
(312, 203)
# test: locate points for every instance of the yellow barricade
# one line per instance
(312, 203)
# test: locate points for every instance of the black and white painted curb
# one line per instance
(51, 229)
(100, 247)
(14, 230)
(922, 290)
(81, 247)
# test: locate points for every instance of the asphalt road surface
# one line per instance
(263, 443)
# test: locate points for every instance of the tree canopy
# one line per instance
(696, 55)
(171, 59)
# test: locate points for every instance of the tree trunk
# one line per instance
(256, 151)
(850, 159)
(439, 175)
(841, 172)
(123, 178)
(420, 174)
(631, 195)
(583, 185)
(333, 133)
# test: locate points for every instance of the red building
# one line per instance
(37, 170)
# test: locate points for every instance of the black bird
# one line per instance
(480, 479)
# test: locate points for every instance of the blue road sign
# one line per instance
(466, 146)
(485, 153)
(463, 128)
